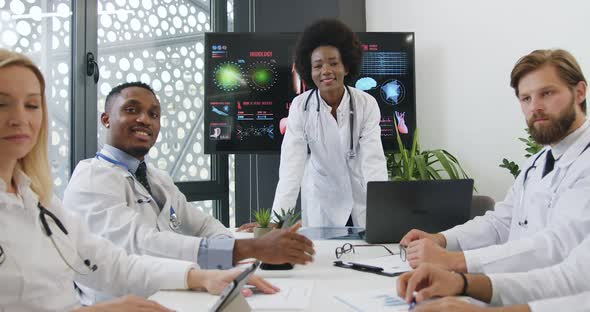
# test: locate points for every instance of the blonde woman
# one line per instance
(43, 250)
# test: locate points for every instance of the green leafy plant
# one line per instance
(531, 149)
(413, 164)
(263, 217)
(280, 218)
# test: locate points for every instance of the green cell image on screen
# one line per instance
(262, 76)
(228, 76)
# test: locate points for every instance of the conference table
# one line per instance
(328, 280)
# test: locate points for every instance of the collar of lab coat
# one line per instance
(131, 162)
(343, 107)
(151, 172)
(573, 145)
(22, 180)
(105, 152)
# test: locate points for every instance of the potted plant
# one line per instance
(531, 149)
(280, 217)
(413, 164)
(262, 217)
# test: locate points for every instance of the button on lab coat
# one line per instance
(34, 277)
(562, 287)
(115, 206)
(333, 186)
(557, 210)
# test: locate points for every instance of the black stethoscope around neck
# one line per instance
(351, 153)
(525, 221)
(63, 248)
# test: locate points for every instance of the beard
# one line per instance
(557, 128)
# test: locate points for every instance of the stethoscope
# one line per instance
(351, 153)
(2, 255)
(524, 222)
(174, 220)
(43, 212)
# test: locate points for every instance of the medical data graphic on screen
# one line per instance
(251, 81)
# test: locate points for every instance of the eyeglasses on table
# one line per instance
(348, 248)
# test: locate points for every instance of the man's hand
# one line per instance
(449, 305)
(284, 246)
(127, 303)
(415, 234)
(247, 227)
(427, 251)
(215, 281)
(429, 281)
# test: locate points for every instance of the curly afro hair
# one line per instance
(328, 32)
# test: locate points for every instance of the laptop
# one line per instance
(396, 207)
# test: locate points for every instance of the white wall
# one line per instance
(465, 50)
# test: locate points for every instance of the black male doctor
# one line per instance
(339, 125)
(139, 208)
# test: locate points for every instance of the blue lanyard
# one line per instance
(99, 155)
(112, 161)
(174, 220)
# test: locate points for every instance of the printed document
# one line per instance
(390, 264)
(381, 300)
(294, 295)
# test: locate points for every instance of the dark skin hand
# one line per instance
(249, 227)
(277, 247)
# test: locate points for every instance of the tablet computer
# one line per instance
(234, 288)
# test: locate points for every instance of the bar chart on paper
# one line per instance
(382, 300)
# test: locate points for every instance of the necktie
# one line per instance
(549, 163)
(141, 175)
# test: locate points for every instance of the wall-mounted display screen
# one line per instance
(250, 82)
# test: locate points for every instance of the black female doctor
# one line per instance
(340, 126)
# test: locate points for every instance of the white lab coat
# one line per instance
(34, 277)
(334, 186)
(564, 286)
(114, 205)
(556, 207)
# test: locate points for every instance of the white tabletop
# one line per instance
(328, 279)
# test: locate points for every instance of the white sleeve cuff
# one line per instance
(166, 273)
(452, 240)
(472, 261)
(496, 298)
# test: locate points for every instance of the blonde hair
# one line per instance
(36, 163)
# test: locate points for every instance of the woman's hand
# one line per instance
(127, 303)
(215, 281)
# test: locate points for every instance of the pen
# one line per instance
(413, 303)
(365, 267)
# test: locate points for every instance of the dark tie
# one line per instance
(549, 163)
(141, 175)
